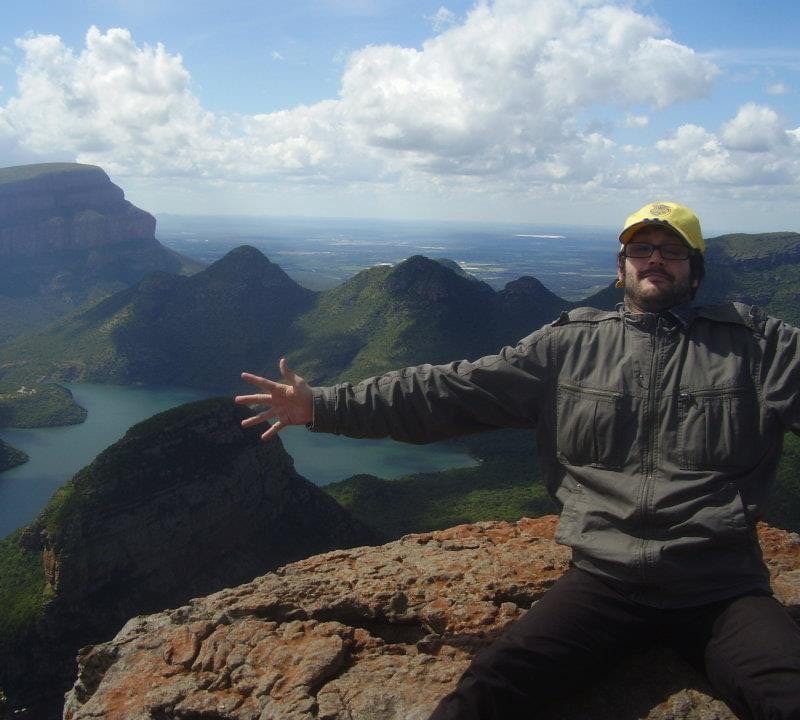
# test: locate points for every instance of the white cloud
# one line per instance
(499, 102)
(754, 129)
(778, 88)
(6, 129)
(130, 108)
(752, 149)
(275, 55)
(443, 19)
(636, 121)
(501, 92)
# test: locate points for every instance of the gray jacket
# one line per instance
(658, 434)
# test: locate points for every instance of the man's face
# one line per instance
(654, 284)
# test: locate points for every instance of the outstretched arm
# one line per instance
(290, 402)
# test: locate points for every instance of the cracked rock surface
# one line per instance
(374, 633)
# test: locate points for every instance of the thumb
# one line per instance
(288, 374)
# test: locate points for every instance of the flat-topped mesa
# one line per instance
(55, 207)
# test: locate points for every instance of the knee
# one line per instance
(764, 687)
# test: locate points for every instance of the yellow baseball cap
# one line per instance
(677, 217)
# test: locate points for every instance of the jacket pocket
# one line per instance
(589, 427)
(567, 531)
(719, 429)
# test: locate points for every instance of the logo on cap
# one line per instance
(660, 209)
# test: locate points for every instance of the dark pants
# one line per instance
(748, 646)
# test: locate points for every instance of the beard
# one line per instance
(644, 297)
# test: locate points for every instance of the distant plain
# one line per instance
(320, 253)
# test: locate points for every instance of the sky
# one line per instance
(533, 111)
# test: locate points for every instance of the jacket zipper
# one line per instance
(594, 392)
(650, 452)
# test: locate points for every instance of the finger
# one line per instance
(286, 372)
(273, 429)
(262, 382)
(262, 417)
(262, 399)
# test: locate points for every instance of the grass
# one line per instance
(45, 405)
(433, 501)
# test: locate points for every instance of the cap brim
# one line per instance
(626, 235)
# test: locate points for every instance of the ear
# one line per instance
(620, 272)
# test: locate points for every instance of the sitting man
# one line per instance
(659, 429)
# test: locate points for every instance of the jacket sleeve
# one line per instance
(433, 402)
(781, 373)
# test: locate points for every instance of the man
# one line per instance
(659, 428)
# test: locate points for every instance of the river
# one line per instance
(56, 454)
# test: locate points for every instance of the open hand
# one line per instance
(290, 402)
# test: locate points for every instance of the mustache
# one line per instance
(653, 271)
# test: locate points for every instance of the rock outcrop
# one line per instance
(185, 504)
(375, 633)
(65, 206)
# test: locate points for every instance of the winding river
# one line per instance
(58, 453)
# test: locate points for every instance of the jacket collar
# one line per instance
(682, 314)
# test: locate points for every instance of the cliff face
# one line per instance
(68, 236)
(186, 503)
(375, 633)
(64, 206)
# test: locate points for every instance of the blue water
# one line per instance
(56, 454)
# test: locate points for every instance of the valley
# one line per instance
(185, 502)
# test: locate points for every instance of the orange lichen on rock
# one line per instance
(379, 632)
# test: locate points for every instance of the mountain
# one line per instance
(526, 305)
(198, 331)
(606, 299)
(420, 310)
(68, 236)
(184, 504)
(761, 269)
(388, 317)
(380, 633)
(244, 312)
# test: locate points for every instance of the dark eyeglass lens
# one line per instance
(668, 252)
(674, 252)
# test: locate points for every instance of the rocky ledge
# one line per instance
(375, 633)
